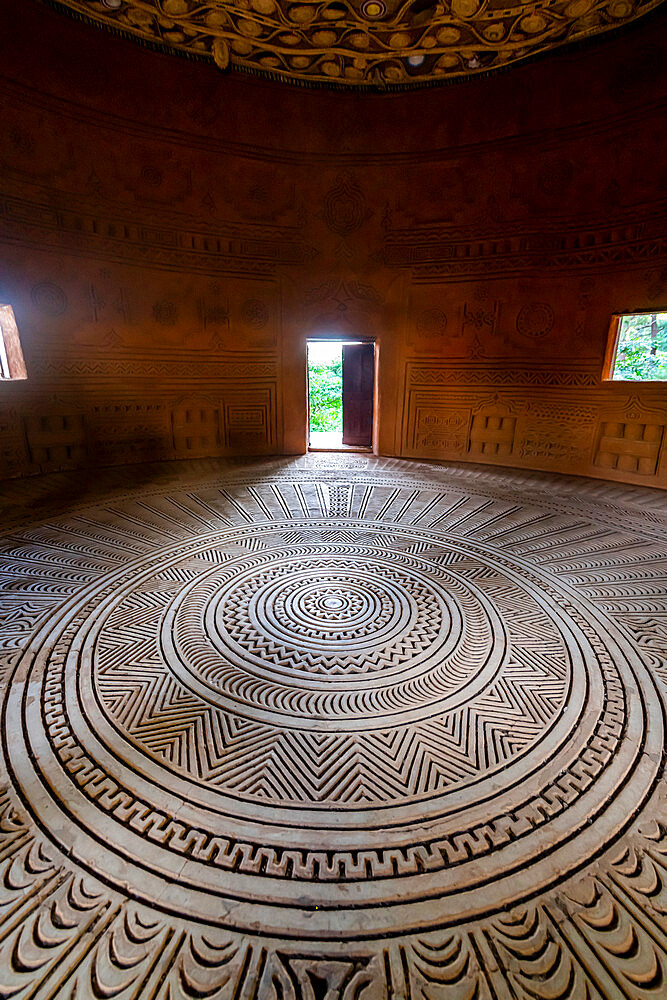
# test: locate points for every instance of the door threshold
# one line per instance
(344, 448)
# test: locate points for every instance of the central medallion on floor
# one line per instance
(292, 632)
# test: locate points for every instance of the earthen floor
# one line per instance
(332, 728)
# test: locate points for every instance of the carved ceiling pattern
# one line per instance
(333, 729)
(377, 43)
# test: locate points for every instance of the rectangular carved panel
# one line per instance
(436, 430)
(13, 453)
(56, 440)
(249, 419)
(492, 435)
(629, 447)
(196, 429)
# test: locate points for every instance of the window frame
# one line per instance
(611, 351)
(12, 361)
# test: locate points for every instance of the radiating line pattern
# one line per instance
(333, 728)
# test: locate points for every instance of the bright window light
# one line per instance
(12, 365)
(638, 348)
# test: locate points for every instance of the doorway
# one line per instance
(341, 380)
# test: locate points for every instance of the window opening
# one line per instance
(12, 365)
(638, 348)
(340, 394)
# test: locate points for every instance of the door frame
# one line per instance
(338, 338)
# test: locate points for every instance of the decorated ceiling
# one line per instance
(360, 43)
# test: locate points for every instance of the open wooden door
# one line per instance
(358, 380)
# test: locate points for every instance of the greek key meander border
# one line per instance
(390, 965)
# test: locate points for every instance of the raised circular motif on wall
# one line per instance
(151, 175)
(432, 323)
(297, 715)
(49, 298)
(165, 312)
(255, 313)
(535, 319)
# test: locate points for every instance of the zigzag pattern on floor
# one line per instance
(333, 728)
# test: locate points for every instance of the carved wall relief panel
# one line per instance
(196, 428)
(556, 435)
(141, 431)
(56, 440)
(629, 446)
(250, 420)
(437, 431)
(492, 435)
(14, 457)
(165, 271)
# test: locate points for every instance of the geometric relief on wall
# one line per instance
(442, 257)
(481, 317)
(535, 319)
(213, 314)
(492, 433)
(56, 440)
(24, 143)
(196, 428)
(428, 322)
(629, 446)
(153, 176)
(557, 433)
(249, 419)
(49, 298)
(165, 312)
(437, 429)
(344, 209)
(253, 313)
(162, 368)
(13, 452)
(341, 305)
(129, 431)
(431, 324)
(439, 374)
(121, 236)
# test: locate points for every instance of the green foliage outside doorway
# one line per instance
(325, 388)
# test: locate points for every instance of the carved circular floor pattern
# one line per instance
(349, 721)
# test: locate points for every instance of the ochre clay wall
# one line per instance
(170, 236)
